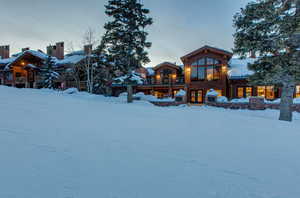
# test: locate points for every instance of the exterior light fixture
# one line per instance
(224, 68)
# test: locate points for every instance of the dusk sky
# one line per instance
(180, 26)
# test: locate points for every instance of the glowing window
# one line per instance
(217, 73)
(219, 91)
(297, 91)
(248, 92)
(240, 92)
(210, 73)
(261, 91)
(270, 92)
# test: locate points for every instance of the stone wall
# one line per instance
(251, 106)
(167, 104)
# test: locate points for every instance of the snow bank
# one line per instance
(212, 92)
(55, 145)
(71, 91)
(151, 98)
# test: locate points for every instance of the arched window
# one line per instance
(206, 69)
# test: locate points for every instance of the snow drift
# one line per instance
(60, 145)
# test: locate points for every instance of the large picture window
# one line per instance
(261, 91)
(206, 69)
(267, 92)
(244, 92)
(270, 92)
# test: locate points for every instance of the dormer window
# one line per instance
(206, 69)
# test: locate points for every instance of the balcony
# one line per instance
(166, 83)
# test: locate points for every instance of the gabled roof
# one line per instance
(39, 54)
(209, 48)
(167, 64)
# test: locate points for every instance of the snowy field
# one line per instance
(54, 145)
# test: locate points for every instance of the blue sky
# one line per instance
(180, 26)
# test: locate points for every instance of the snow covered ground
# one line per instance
(54, 145)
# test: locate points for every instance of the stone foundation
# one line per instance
(167, 104)
(256, 105)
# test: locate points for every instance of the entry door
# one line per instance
(196, 96)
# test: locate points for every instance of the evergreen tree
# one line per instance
(270, 28)
(104, 69)
(48, 74)
(126, 37)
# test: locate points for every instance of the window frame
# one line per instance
(204, 64)
(244, 91)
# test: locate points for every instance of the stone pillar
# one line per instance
(257, 103)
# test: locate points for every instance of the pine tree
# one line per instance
(48, 74)
(270, 28)
(104, 68)
(126, 37)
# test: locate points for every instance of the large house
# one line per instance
(203, 69)
(22, 70)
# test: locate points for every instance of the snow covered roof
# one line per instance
(7, 60)
(31, 66)
(150, 71)
(166, 64)
(238, 68)
(38, 54)
(79, 52)
(207, 47)
(73, 59)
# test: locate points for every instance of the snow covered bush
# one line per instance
(222, 99)
(181, 93)
(212, 92)
(71, 91)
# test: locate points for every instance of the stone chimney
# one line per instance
(88, 49)
(252, 54)
(25, 49)
(50, 50)
(57, 50)
(60, 50)
(4, 51)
